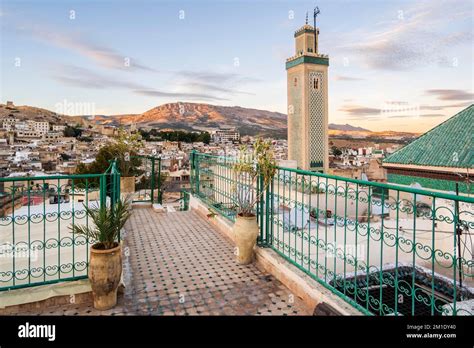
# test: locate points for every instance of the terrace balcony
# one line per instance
(327, 245)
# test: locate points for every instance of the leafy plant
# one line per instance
(252, 164)
(118, 149)
(108, 222)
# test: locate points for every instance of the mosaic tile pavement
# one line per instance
(178, 264)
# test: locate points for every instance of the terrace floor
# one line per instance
(179, 264)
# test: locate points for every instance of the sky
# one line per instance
(394, 65)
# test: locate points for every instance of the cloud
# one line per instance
(348, 78)
(432, 115)
(192, 96)
(421, 38)
(210, 82)
(75, 76)
(450, 94)
(356, 110)
(81, 77)
(213, 88)
(446, 106)
(100, 54)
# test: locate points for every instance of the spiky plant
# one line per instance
(259, 161)
(108, 222)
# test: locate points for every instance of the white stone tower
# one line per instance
(307, 86)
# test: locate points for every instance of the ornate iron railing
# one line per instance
(385, 249)
(148, 180)
(36, 213)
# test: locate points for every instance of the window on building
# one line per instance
(316, 83)
(295, 82)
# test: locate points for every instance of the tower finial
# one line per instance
(306, 17)
(315, 14)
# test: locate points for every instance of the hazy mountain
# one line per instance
(347, 128)
(189, 117)
(195, 116)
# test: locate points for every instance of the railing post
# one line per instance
(103, 190)
(152, 183)
(115, 183)
(191, 176)
(160, 196)
(196, 171)
(260, 212)
(267, 215)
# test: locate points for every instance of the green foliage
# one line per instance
(65, 156)
(108, 222)
(336, 151)
(85, 139)
(181, 136)
(259, 162)
(72, 131)
(118, 149)
(159, 184)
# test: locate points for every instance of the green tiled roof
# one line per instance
(449, 144)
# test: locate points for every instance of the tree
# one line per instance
(72, 131)
(336, 151)
(125, 145)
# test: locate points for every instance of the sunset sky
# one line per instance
(399, 65)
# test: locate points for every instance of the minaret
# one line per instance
(307, 85)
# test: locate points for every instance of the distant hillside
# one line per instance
(25, 112)
(346, 127)
(192, 117)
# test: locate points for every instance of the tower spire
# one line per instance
(306, 17)
(315, 14)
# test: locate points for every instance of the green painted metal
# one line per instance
(148, 180)
(184, 200)
(36, 214)
(307, 59)
(385, 249)
(430, 183)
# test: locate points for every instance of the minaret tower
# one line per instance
(307, 86)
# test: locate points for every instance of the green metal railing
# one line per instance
(36, 213)
(148, 181)
(385, 249)
(184, 200)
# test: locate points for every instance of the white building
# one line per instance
(9, 123)
(226, 135)
(41, 127)
(58, 128)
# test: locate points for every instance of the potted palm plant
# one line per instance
(105, 265)
(252, 164)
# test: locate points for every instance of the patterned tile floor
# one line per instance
(178, 264)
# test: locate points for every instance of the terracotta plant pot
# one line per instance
(105, 270)
(245, 232)
(127, 184)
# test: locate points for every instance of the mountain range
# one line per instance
(190, 117)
